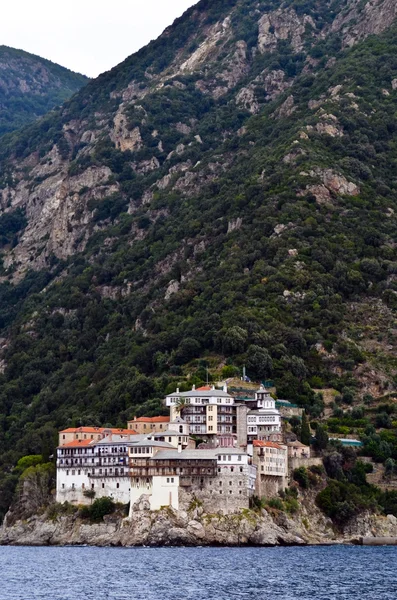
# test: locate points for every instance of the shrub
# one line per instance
(302, 477)
(275, 503)
(98, 509)
(317, 469)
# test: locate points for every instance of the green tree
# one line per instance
(321, 438)
(305, 431)
(259, 362)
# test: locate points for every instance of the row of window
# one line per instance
(143, 450)
(92, 486)
(265, 419)
(100, 471)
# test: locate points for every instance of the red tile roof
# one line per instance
(151, 420)
(78, 443)
(263, 444)
(98, 430)
(204, 388)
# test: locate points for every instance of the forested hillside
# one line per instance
(227, 196)
(30, 86)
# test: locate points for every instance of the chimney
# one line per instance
(179, 448)
(212, 387)
(193, 388)
(225, 388)
(177, 390)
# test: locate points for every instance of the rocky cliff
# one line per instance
(169, 528)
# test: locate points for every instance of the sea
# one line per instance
(287, 573)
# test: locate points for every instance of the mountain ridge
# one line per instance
(30, 86)
(225, 197)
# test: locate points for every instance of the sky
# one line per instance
(87, 36)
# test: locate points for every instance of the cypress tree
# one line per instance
(305, 431)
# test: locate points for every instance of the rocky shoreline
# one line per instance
(170, 528)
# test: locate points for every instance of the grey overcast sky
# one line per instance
(87, 36)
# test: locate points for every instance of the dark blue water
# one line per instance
(333, 573)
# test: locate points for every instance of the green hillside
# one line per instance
(31, 86)
(228, 198)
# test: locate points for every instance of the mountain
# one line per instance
(227, 196)
(31, 86)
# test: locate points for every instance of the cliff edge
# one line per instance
(193, 528)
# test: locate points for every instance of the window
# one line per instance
(79, 472)
(83, 486)
(92, 486)
(63, 486)
(64, 436)
(73, 472)
(230, 482)
(239, 458)
(103, 486)
(172, 480)
(117, 485)
(67, 472)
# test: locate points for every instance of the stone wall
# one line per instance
(295, 463)
(268, 486)
(241, 418)
(228, 492)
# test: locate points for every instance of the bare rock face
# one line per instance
(361, 21)
(123, 138)
(339, 184)
(273, 83)
(172, 528)
(286, 109)
(331, 183)
(234, 224)
(56, 212)
(173, 288)
(282, 24)
(209, 48)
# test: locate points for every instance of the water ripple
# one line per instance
(334, 573)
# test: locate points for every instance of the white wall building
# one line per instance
(265, 419)
(100, 466)
(207, 411)
(221, 478)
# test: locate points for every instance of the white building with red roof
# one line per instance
(73, 434)
(145, 425)
(97, 467)
(271, 460)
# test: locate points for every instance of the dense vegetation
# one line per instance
(265, 271)
(30, 86)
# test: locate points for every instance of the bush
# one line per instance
(57, 509)
(302, 477)
(275, 503)
(98, 509)
(317, 469)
